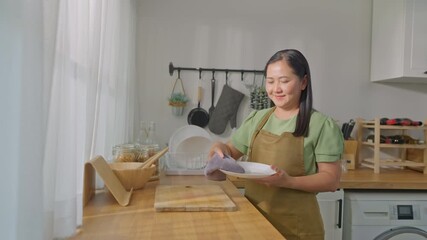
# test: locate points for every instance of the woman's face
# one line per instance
(283, 86)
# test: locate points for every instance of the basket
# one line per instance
(131, 175)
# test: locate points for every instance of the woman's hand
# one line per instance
(223, 149)
(327, 179)
(279, 179)
(219, 148)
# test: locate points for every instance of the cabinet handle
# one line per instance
(339, 224)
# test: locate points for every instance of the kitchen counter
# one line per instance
(103, 218)
(365, 178)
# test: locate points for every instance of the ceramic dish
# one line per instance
(252, 170)
(185, 133)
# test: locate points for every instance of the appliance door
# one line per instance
(385, 233)
(331, 206)
(403, 233)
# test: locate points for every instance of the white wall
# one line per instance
(334, 35)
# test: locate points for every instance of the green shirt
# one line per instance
(324, 143)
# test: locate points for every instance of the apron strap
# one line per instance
(258, 128)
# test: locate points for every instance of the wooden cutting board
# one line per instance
(192, 198)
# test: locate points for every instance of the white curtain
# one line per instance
(21, 123)
(90, 104)
(68, 80)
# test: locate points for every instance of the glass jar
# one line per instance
(148, 151)
(129, 153)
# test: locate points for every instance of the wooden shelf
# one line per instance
(401, 162)
(388, 145)
(393, 127)
(395, 162)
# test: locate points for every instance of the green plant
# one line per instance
(178, 100)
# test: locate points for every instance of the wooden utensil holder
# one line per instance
(350, 154)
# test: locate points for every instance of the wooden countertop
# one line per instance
(365, 178)
(104, 219)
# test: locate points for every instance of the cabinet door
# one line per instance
(331, 205)
(416, 39)
(399, 34)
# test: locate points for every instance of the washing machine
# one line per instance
(383, 215)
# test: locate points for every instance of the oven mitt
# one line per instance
(225, 110)
(227, 163)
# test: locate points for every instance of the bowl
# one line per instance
(131, 175)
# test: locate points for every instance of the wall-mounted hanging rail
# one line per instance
(213, 70)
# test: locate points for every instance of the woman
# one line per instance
(302, 145)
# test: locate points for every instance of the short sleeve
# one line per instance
(330, 144)
(243, 135)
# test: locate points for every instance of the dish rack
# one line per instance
(184, 163)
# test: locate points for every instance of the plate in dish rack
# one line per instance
(182, 138)
(252, 170)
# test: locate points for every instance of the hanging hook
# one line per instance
(263, 80)
(241, 75)
(213, 74)
(253, 82)
(200, 74)
(179, 73)
(226, 77)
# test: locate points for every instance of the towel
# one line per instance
(227, 163)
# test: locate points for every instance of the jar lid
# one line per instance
(125, 145)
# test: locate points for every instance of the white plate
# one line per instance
(252, 170)
(196, 144)
(184, 133)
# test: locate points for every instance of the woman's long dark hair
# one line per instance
(299, 64)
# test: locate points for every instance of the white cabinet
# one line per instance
(399, 41)
(331, 208)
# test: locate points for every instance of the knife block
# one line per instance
(350, 154)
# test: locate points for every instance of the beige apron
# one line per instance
(294, 213)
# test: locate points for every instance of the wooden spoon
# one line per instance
(154, 158)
